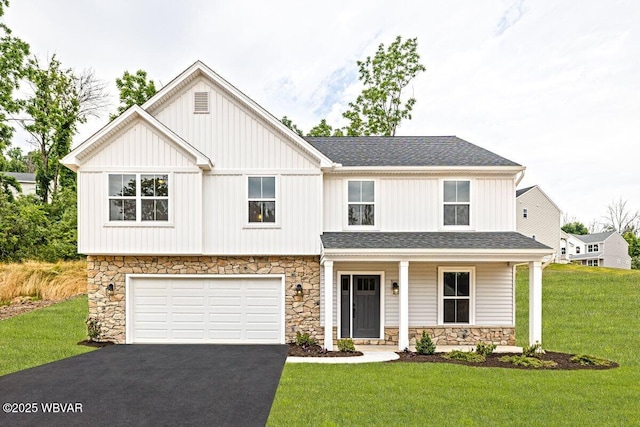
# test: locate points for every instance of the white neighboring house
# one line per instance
(206, 220)
(27, 182)
(537, 216)
(607, 249)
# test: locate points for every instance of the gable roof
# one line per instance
(521, 191)
(200, 69)
(76, 157)
(527, 189)
(595, 237)
(406, 151)
(29, 178)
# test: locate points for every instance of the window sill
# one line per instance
(261, 226)
(146, 224)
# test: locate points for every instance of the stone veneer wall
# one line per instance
(301, 314)
(470, 335)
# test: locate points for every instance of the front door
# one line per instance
(360, 311)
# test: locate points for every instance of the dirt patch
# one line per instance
(317, 351)
(21, 305)
(493, 361)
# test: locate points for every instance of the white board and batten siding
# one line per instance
(205, 309)
(494, 293)
(413, 203)
(138, 149)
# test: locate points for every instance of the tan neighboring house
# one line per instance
(537, 216)
(607, 249)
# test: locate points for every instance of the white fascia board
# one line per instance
(435, 255)
(451, 170)
(73, 160)
(200, 67)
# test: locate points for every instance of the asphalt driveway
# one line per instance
(148, 385)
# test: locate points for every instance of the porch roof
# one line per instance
(432, 246)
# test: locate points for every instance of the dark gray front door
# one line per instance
(366, 306)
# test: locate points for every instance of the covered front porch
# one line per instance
(387, 288)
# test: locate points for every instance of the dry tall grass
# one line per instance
(43, 280)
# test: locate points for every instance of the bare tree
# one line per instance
(620, 218)
(92, 94)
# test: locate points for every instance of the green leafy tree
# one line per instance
(289, 123)
(380, 108)
(23, 228)
(325, 129)
(13, 52)
(134, 89)
(575, 227)
(7, 183)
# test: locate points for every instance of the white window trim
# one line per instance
(472, 206)
(472, 293)
(338, 292)
(525, 213)
(376, 211)
(262, 225)
(138, 198)
(208, 102)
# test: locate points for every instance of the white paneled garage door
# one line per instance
(226, 309)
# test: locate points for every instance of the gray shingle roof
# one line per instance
(429, 240)
(22, 177)
(595, 237)
(406, 151)
(521, 191)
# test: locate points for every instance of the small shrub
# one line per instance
(93, 329)
(346, 345)
(534, 350)
(304, 340)
(465, 356)
(424, 345)
(528, 361)
(587, 360)
(485, 349)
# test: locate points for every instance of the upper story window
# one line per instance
(456, 295)
(361, 210)
(525, 213)
(138, 197)
(593, 248)
(457, 203)
(577, 249)
(262, 199)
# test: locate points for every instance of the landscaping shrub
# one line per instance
(43, 280)
(424, 345)
(534, 350)
(346, 345)
(528, 361)
(93, 328)
(465, 356)
(304, 340)
(587, 360)
(485, 349)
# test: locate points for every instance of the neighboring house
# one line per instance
(27, 181)
(538, 217)
(206, 220)
(607, 249)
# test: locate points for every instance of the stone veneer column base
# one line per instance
(301, 314)
(471, 335)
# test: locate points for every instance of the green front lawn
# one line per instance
(43, 335)
(588, 310)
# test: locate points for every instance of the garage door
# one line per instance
(205, 310)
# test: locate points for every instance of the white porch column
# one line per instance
(328, 305)
(535, 302)
(403, 326)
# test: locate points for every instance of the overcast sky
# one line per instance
(553, 85)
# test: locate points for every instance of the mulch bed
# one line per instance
(317, 351)
(562, 359)
(95, 344)
(21, 305)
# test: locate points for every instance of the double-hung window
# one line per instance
(138, 197)
(262, 199)
(456, 295)
(456, 203)
(361, 206)
(593, 248)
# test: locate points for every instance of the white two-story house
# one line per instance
(606, 249)
(207, 220)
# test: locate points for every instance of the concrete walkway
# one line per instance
(384, 353)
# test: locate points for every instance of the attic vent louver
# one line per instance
(201, 102)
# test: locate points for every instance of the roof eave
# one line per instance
(437, 255)
(506, 170)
